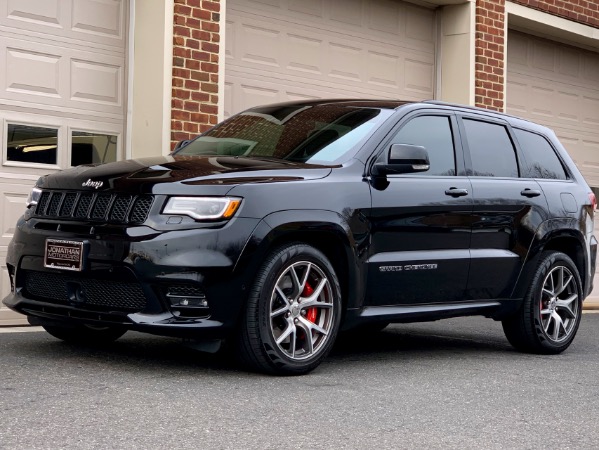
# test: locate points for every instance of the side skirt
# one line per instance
(495, 309)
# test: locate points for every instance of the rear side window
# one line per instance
(434, 134)
(541, 160)
(491, 150)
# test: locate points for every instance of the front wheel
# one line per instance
(550, 314)
(293, 312)
(85, 334)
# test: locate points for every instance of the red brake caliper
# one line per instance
(311, 313)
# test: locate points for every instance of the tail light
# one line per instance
(593, 200)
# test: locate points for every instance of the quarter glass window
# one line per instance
(541, 160)
(434, 134)
(491, 150)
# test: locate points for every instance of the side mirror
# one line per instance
(181, 144)
(403, 158)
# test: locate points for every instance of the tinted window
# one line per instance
(434, 134)
(491, 150)
(542, 162)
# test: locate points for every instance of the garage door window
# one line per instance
(491, 150)
(91, 148)
(542, 162)
(31, 144)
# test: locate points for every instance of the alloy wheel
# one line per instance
(559, 304)
(301, 310)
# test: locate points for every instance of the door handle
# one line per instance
(530, 193)
(455, 192)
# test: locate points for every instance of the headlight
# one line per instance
(34, 197)
(203, 208)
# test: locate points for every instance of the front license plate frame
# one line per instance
(64, 254)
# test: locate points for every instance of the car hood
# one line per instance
(181, 174)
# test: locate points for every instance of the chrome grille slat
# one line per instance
(96, 207)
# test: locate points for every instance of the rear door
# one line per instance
(507, 206)
(421, 222)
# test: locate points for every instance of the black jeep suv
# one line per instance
(285, 224)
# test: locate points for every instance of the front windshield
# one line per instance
(315, 134)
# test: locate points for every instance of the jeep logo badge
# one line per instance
(94, 184)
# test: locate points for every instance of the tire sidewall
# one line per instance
(281, 260)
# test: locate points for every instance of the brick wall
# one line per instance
(195, 67)
(490, 41)
(582, 11)
(490, 49)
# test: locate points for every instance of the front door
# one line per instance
(421, 222)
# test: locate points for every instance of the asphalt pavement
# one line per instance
(449, 384)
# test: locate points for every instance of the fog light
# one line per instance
(187, 298)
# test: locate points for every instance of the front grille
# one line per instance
(82, 291)
(113, 208)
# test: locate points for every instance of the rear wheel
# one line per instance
(293, 312)
(85, 334)
(550, 314)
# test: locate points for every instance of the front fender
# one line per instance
(342, 241)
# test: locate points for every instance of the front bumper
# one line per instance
(129, 277)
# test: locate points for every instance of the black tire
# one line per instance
(85, 334)
(301, 348)
(544, 324)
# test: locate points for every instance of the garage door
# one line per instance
(62, 95)
(281, 50)
(558, 85)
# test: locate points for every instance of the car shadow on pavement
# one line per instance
(138, 352)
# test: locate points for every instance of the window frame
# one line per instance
(74, 129)
(383, 146)
(493, 121)
(60, 138)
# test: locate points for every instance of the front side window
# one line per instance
(491, 149)
(541, 160)
(321, 134)
(434, 134)
(31, 144)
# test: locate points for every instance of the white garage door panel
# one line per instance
(557, 85)
(297, 50)
(58, 77)
(97, 21)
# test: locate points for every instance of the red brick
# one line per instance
(210, 87)
(210, 47)
(200, 118)
(210, 26)
(209, 109)
(192, 85)
(211, 6)
(192, 106)
(209, 67)
(202, 14)
(200, 97)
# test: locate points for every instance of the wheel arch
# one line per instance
(567, 241)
